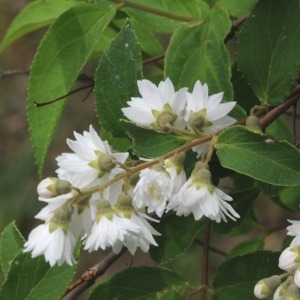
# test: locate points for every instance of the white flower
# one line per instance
(153, 190)
(56, 245)
(290, 258)
(209, 109)
(266, 287)
(109, 231)
(53, 204)
(160, 105)
(143, 238)
(200, 197)
(92, 161)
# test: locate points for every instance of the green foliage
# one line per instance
(271, 68)
(35, 15)
(145, 283)
(56, 67)
(254, 155)
(11, 243)
(236, 277)
(237, 8)
(198, 53)
(177, 235)
(116, 80)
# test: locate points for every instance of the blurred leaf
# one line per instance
(279, 129)
(11, 243)
(242, 202)
(198, 52)
(177, 235)
(150, 143)
(191, 8)
(33, 279)
(236, 277)
(272, 66)
(237, 8)
(56, 67)
(289, 198)
(243, 93)
(249, 153)
(141, 283)
(147, 39)
(247, 247)
(33, 16)
(242, 182)
(116, 80)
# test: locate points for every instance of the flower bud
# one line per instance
(266, 287)
(290, 258)
(281, 290)
(297, 277)
(292, 293)
(52, 187)
(253, 124)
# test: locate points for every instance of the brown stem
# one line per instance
(89, 277)
(236, 24)
(40, 104)
(204, 268)
(8, 73)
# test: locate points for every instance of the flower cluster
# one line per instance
(286, 286)
(164, 109)
(97, 196)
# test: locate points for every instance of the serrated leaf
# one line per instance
(198, 53)
(271, 67)
(246, 247)
(11, 243)
(236, 278)
(60, 57)
(116, 80)
(150, 143)
(33, 279)
(257, 156)
(242, 202)
(141, 283)
(182, 8)
(177, 235)
(33, 16)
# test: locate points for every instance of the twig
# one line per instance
(204, 267)
(212, 249)
(9, 73)
(236, 24)
(89, 277)
(40, 104)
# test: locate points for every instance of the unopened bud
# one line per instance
(290, 258)
(281, 290)
(292, 293)
(266, 287)
(52, 187)
(253, 124)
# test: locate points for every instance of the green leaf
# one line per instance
(254, 155)
(247, 247)
(116, 80)
(177, 235)
(243, 93)
(289, 198)
(33, 279)
(236, 278)
(60, 57)
(150, 143)
(141, 283)
(155, 22)
(237, 8)
(11, 243)
(34, 16)
(279, 129)
(271, 66)
(242, 202)
(198, 52)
